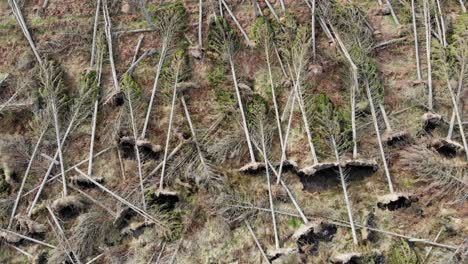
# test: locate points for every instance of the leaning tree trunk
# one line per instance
(354, 87)
(137, 151)
(427, 24)
(237, 22)
(95, 29)
(345, 191)
(25, 177)
(270, 196)
(162, 57)
(457, 114)
(192, 130)
(241, 108)
(379, 140)
(416, 47)
(59, 146)
(273, 95)
(459, 92)
(169, 129)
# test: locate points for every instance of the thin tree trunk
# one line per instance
(174, 151)
(122, 200)
(95, 29)
(270, 196)
(462, 6)
(285, 144)
(25, 177)
(28, 238)
(395, 18)
(442, 23)
(457, 115)
(51, 165)
(459, 92)
(236, 22)
(273, 95)
(22, 23)
(94, 118)
(169, 129)
(416, 46)
(427, 24)
(379, 140)
(160, 253)
(346, 224)
(67, 247)
(59, 147)
(272, 10)
(192, 130)
(241, 108)
(314, 53)
(137, 48)
(67, 170)
(345, 192)
(385, 118)
(137, 152)
(108, 31)
(162, 57)
(200, 23)
(355, 86)
(426, 257)
(256, 241)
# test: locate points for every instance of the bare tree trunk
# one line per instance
(345, 192)
(95, 29)
(122, 200)
(200, 23)
(22, 23)
(137, 152)
(459, 92)
(241, 108)
(28, 238)
(462, 6)
(256, 241)
(427, 23)
(59, 147)
(354, 87)
(395, 18)
(66, 246)
(442, 23)
(51, 165)
(25, 177)
(137, 49)
(457, 114)
(416, 46)
(270, 196)
(426, 257)
(272, 10)
(169, 129)
(192, 130)
(67, 170)
(108, 30)
(285, 143)
(162, 57)
(237, 23)
(385, 118)
(379, 140)
(273, 95)
(314, 53)
(94, 119)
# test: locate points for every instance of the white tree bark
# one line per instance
(416, 45)
(379, 140)
(241, 108)
(169, 129)
(345, 192)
